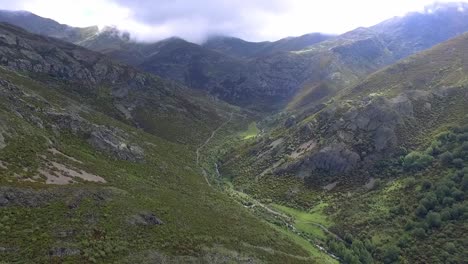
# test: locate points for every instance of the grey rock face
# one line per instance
(64, 252)
(107, 140)
(61, 60)
(145, 218)
(353, 134)
(334, 158)
(24, 197)
(291, 121)
(110, 140)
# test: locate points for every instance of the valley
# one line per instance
(349, 148)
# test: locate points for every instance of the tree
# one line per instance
(430, 201)
(417, 160)
(446, 214)
(464, 183)
(446, 157)
(457, 194)
(391, 254)
(433, 219)
(465, 146)
(419, 233)
(421, 211)
(450, 247)
(458, 163)
(348, 238)
(426, 185)
(448, 201)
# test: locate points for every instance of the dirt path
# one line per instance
(213, 133)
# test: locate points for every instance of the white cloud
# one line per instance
(196, 19)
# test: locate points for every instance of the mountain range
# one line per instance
(348, 148)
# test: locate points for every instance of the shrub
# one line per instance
(433, 219)
(419, 233)
(391, 254)
(421, 211)
(465, 146)
(348, 238)
(417, 160)
(446, 215)
(458, 163)
(429, 201)
(448, 201)
(457, 195)
(463, 137)
(464, 183)
(450, 247)
(446, 157)
(404, 241)
(410, 182)
(426, 185)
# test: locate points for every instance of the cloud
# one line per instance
(195, 20)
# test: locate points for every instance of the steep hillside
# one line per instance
(419, 30)
(240, 48)
(47, 27)
(80, 182)
(120, 91)
(394, 108)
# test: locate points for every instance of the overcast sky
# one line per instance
(193, 20)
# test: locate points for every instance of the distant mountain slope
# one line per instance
(47, 27)
(419, 30)
(296, 80)
(353, 55)
(240, 48)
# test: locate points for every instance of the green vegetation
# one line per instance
(310, 221)
(251, 132)
(102, 222)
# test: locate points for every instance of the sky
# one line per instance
(195, 20)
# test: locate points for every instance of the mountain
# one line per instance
(240, 48)
(353, 149)
(119, 90)
(298, 80)
(419, 30)
(100, 162)
(47, 27)
(374, 155)
(391, 108)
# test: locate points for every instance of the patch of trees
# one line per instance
(450, 148)
(353, 250)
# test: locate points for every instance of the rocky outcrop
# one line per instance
(24, 197)
(334, 158)
(109, 139)
(351, 134)
(145, 218)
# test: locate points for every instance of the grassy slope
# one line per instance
(93, 218)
